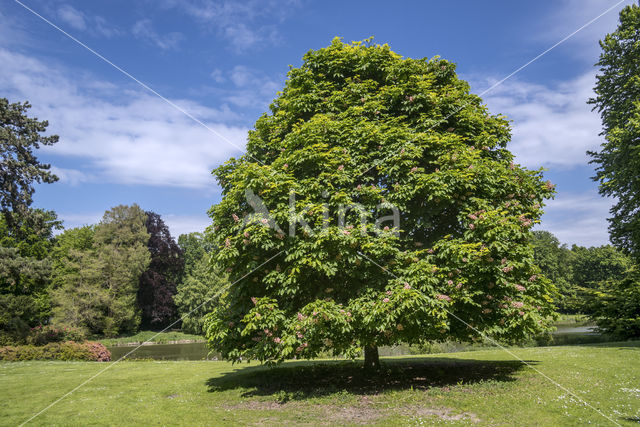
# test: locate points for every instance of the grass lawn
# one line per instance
(146, 336)
(484, 387)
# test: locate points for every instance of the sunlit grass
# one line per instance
(485, 386)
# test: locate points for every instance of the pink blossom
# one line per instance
(246, 234)
(472, 216)
(362, 100)
(414, 169)
(359, 187)
(533, 278)
(388, 292)
(286, 165)
(235, 217)
(521, 288)
(346, 232)
(443, 297)
(465, 260)
(521, 313)
(301, 316)
(407, 286)
(472, 226)
(504, 261)
(264, 221)
(386, 228)
(430, 251)
(227, 242)
(276, 340)
(411, 99)
(385, 300)
(459, 285)
(512, 166)
(341, 167)
(517, 304)
(300, 335)
(549, 185)
(254, 300)
(245, 241)
(450, 282)
(348, 314)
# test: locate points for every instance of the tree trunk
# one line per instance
(371, 358)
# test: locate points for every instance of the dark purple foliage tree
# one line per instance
(158, 283)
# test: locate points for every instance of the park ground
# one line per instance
(486, 387)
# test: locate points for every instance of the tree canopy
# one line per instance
(100, 285)
(19, 168)
(393, 208)
(158, 282)
(618, 102)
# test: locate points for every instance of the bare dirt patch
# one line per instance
(363, 412)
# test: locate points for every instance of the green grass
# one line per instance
(486, 386)
(146, 336)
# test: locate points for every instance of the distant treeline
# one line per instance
(125, 273)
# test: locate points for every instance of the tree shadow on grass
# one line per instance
(302, 380)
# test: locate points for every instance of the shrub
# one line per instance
(68, 350)
(41, 335)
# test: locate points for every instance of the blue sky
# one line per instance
(218, 64)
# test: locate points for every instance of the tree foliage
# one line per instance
(358, 126)
(618, 102)
(158, 282)
(578, 270)
(615, 305)
(100, 285)
(200, 285)
(25, 270)
(556, 262)
(19, 167)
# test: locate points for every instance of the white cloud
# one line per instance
(569, 15)
(78, 20)
(123, 136)
(73, 220)
(578, 218)
(241, 23)
(143, 29)
(253, 87)
(72, 17)
(183, 224)
(217, 76)
(552, 125)
(71, 176)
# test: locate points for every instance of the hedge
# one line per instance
(68, 350)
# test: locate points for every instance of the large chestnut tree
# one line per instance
(357, 132)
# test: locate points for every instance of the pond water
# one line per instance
(189, 351)
(564, 335)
